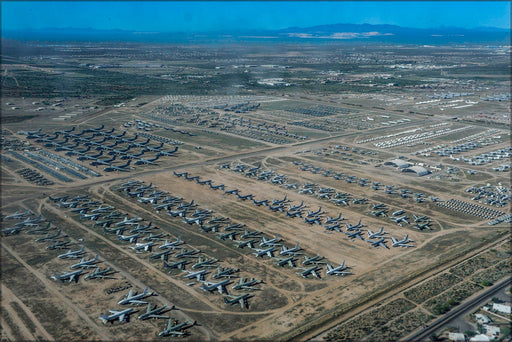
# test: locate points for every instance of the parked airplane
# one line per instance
(128, 221)
(145, 246)
(199, 275)
(220, 286)
(242, 244)
(271, 242)
(155, 313)
(130, 298)
(381, 242)
(401, 219)
(187, 254)
(238, 299)
(227, 272)
(333, 219)
(67, 275)
(356, 234)
(86, 263)
(179, 264)
(116, 315)
(162, 255)
(261, 252)
(353, 227)
(402, 243)
(123, 168)
(285, 261)
(100, 274)
(72, 254)
(247, 284)
(172, 245)
(176, 329)
(317, 259)
(307, 271)
(340, 270)
(205, 263)
(376, 235)
(291, 251)
(17, 215)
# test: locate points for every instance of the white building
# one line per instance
(501, 308)
(479, 338)
(457, 337)
(482, 319)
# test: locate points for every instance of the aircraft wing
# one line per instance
(137, 302)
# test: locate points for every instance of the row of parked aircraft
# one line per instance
(139, 232)
(120, 149)
(209, 223)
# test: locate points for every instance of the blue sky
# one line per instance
(202, 16)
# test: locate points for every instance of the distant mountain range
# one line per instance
(321, 33)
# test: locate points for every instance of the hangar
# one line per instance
(402, 164)
(419, 170)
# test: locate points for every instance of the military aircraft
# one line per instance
(30, 222)
(353, 227)
(17, 215)
(171, 245)
(401, 243)
(130, 298)
(86, 263)
(92, 216)
(333, 219)
(317, 259)
(398, 212)
(247, 284)
(242, 244)
(162, 255)
(12, 230)
(242, 299)
(176, 329)
(227, 272)
(59, 245)
(199, 275)
(141, 229)
(123, 168)
(100, 274)
(98, 162)
(376, 235)
(72, 254)
(219, 286)
(145, 246)
(29, 132)
(381, 212)
(261, 252)
(128, 221)
(262, 202)
(155, 313)
(422, 226)
(49, 237)
(151, 237)
(187, 254)
(116, 315)
(381, 242)
(330, 228)
(250, 234)
(291, 251)
(230, 235)
(205, 263)
(401, 219)
(271, 242)
(178, 264)
(285, 261)
(143, 161)
(356, 234)
(67, 275)
(340, 270)
(307, 271)
(420, 218)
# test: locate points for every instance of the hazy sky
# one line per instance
(197, 16)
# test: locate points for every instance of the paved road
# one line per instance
(462, 309)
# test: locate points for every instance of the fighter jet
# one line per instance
(130, 298)
(238, 299)
(340, 270)
(116, 315)
(67, 275)
(155, 313)
(176, 329)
